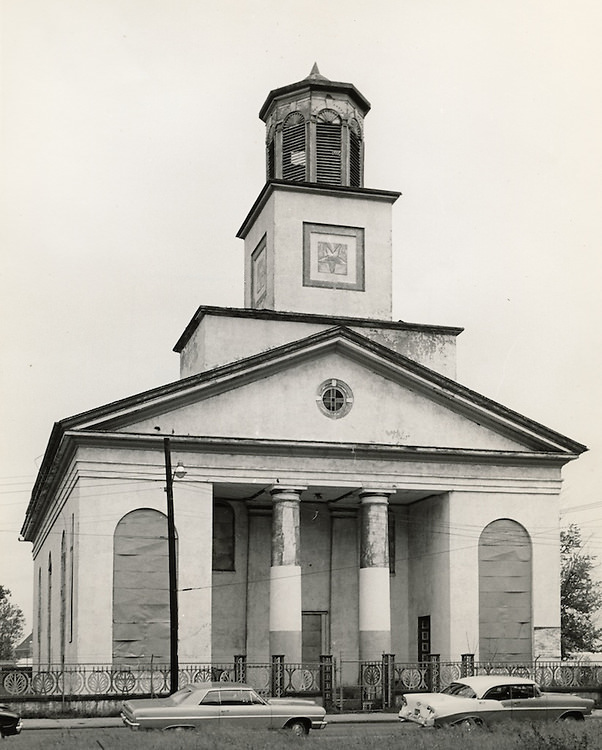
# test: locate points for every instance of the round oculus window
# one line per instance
(334, 398)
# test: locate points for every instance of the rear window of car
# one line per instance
(524, 691)
(460, 689)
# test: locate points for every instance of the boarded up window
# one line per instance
(141, 588)
(223, 537)
(505, 592)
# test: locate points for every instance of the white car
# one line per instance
(486, 700)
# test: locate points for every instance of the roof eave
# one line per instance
(308, 84)
(389, 196)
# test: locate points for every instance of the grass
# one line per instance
(511, 737)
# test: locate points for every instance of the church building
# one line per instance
(336, 490)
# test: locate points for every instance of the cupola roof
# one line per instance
(315, 81)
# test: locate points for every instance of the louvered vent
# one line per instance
(355, 154)
(328, 147)
(270, 159)
(294, 158)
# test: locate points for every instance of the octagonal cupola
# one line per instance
(314, 132)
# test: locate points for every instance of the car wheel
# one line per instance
(298, 728)
(572, 717)
(179, 729)
(469, 724)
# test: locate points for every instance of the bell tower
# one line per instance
(316, 240)
(314, 132)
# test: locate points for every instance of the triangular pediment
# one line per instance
(273, 396)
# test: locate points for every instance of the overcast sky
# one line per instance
(131, 152)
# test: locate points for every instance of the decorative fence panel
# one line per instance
(375, 685)
(153, 679)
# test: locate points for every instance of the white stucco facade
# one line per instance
(343, 493)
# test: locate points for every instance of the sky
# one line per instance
(132, 151)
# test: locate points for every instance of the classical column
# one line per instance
(285, 574)
(374, 586)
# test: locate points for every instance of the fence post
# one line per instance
(326, 680)
(434, 673)
(240, 668)
(388, 679)
(277, 686)
(467, 665)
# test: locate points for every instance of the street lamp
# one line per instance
(172, 564)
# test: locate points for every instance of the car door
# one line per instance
(501, 694)
(243, 708)
(527, 703)
(204, 713)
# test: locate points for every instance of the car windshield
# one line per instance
(458, 688)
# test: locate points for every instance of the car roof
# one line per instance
(214, 685)
(480, 683)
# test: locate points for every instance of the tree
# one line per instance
(580, 595)
(11, 625)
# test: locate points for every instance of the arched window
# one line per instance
(294, 159)
(328, 147)
(355, 153)
(505, 592)
(140, 588)
(223, 536)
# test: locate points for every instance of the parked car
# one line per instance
(223, 704)
(10, 722)
(486, 700)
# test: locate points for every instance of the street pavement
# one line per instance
(376, 717)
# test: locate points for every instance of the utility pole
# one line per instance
(173, 578)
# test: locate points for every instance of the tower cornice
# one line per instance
(388, 196)
(315, 84)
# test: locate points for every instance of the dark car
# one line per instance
(10, 722)
(223, 704)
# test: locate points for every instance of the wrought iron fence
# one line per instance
(374, 685)
(153, 679)
(378, 682)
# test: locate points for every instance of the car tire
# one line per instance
(469, 724)
(572, 717)
(179, 729)
(298, 728)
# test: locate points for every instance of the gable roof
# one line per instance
(382, 359)
(116, 415)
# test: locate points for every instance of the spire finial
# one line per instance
(315, 74)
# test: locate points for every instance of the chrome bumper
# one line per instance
(319, 724)
(129, 723)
